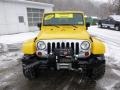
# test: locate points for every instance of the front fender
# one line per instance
(98, 46)
(29, 47)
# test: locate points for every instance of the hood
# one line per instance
(57, 32)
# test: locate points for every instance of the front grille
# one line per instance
(75, 46)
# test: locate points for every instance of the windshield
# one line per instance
(63, 19)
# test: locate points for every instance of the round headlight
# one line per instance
(41, 45)
(85, 45)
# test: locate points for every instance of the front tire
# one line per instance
(29, 73)
(98, 72)
(98, 69)
(30, 69)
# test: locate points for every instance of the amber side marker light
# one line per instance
(39, 54)
(86, 53)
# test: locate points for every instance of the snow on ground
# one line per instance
(9, 59)
(112, 42)
(14, 41)
(117, 72)
(17, 38)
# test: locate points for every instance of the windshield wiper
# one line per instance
(56, 26)
(52, 25)
(74, 26)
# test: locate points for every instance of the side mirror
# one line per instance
(39, 25)
(87, 24)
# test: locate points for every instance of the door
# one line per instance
(112, 23)
(105, 22)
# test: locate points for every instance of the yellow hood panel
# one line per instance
(68, 32)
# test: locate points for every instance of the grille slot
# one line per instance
(52, 45)
(77, 48)
(67, 45)
(72, 47)
(63, 45)
(48, 48)
(58, 45)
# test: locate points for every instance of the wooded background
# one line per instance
(90, 7)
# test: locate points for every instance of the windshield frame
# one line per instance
(63, 24)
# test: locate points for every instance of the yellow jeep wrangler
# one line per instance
(64, 44)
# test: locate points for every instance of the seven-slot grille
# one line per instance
(75, 46)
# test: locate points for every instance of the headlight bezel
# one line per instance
(83, 47)
(39, 47)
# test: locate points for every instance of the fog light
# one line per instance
(86, 53)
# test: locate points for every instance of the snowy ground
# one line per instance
(11, 77)
(17, 38)
(13, 42)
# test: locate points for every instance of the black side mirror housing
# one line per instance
(39, 25)
(87, 24)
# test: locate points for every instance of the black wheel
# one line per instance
(29, 73)
(98, 72)
(98, 69)
(100, 25)
(117, 28)
(30, 69)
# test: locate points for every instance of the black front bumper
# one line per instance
(52, 61)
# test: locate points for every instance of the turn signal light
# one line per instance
(39, 53)
(86, 53)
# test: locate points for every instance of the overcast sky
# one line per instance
(102, 0)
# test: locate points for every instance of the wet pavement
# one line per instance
(11, 77)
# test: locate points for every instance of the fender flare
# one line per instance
(98, 47)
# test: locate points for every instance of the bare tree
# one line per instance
(116, 4)
(90, 7)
